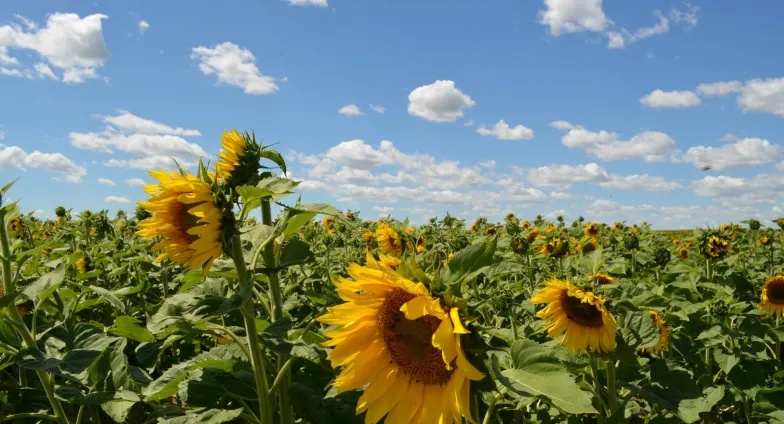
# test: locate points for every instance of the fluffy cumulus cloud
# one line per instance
(155, 144)
(744, 153)
(71, 44)
(763, 186)
(135, 182)
(106, 181)
(569, 16)
(640, 182)
(659, 99)
(317, 3)
(721, 88)
(650, 146)
(116, 199)
(566, 175)
(502, 131)
(143, 26)
(235, 66)
(440, 101)
(763, 95)
(13, 157)
(350, 110)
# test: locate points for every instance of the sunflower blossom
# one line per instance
(185, 218)
(402, 345)
(579, 315)
(772, 297)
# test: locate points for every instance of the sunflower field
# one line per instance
(205, 307)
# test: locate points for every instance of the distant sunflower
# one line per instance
(491, 231)
(716, 246)
(591, 246)
(772, 297)
(554, 248)
(239, 158)
(421, 245)
(368, 237)
(603, 278)
(579, 315)
(186, 219)
(684, 253)
(410, 230)
(532, 235)
(510, 216)
(16, 225)
(763, 240)
(474, 228)
(82, 265)
(328, 223)
(664, 334)
(675, 242)
(402, 345)
(591, 230)
(389, 241)
(525, 225)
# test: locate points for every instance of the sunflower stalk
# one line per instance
(47, 380)
(611, 391)
(286, 412)
(249, 316)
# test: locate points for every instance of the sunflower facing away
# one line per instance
(389, 240)
(402, 345)
(772, 297)
(579, 315)
(239, 158)
(664, 334)
(600, 278)
(186, 219)
(591, 230)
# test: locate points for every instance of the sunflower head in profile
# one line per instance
(589, 246)
(780, 223)
(491, 231)
(554, 247)
(600, 278)
(664, 333)
(240, 159)
(525, 225)
(328, 223)
(402, 345)
(533, 235)
(185, 216)
(349, 215)
(474, 228)
(591, 230)
(421, 245)
(772, 297)
(389, 240)
(579, 315)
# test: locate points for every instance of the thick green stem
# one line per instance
(709, 269)
(249, 316)
(286, 412)
(612, 393)
(597, 389)
(47, 380)
(491, 408)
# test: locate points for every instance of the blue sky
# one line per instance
(574, 107)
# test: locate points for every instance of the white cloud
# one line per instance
(56, 162)
(569, 16)
(502, 131)
(489, 164)
(106, 181)
(139, 144)
(69, 43)
(90, 141)
(14, 73)
(763, 95)
(687, 18)
(619, 40)
(659, 99)
(12, 157)
(383, 210)
(562, 125)
(439, 102)
(350, 110)
(559, 195)
(729, 137)
(39, 213)
(468, 123)
(720, 88)
(44, 71)
(116, 199)
(640, 182)
(317, 3)
(234, 66)
(744, 153)
(143, 25)
(136, 182)
(565, 175)
(378, 109)
(150, 163)
(651, 146)
(128, 121)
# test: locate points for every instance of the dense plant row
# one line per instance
(203, 308)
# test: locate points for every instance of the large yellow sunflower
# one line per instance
(234, 145)
(579, 315)
(772, 297)
(186, 219)
(664, 334)
(389, 240)
(402, 345)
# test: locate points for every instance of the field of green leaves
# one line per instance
(203, 307)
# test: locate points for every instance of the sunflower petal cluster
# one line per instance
(772, 297)
(185, 217)
(579, 315)
(388, 239)
(239, 159)
(402, 345)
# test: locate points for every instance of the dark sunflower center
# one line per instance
(776, 292)
(584, 314)
(409, 342)
(187, 221)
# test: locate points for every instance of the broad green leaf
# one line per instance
(75, 396)
(277, 185)
(690, 409)
(42, 288)
(126, 326)
(724, 360)
(295, 252)
(205, 416)
(119, 408)
(639, 330)
(557, 386)
(470, 259)
(106, 294)
(206, 386)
